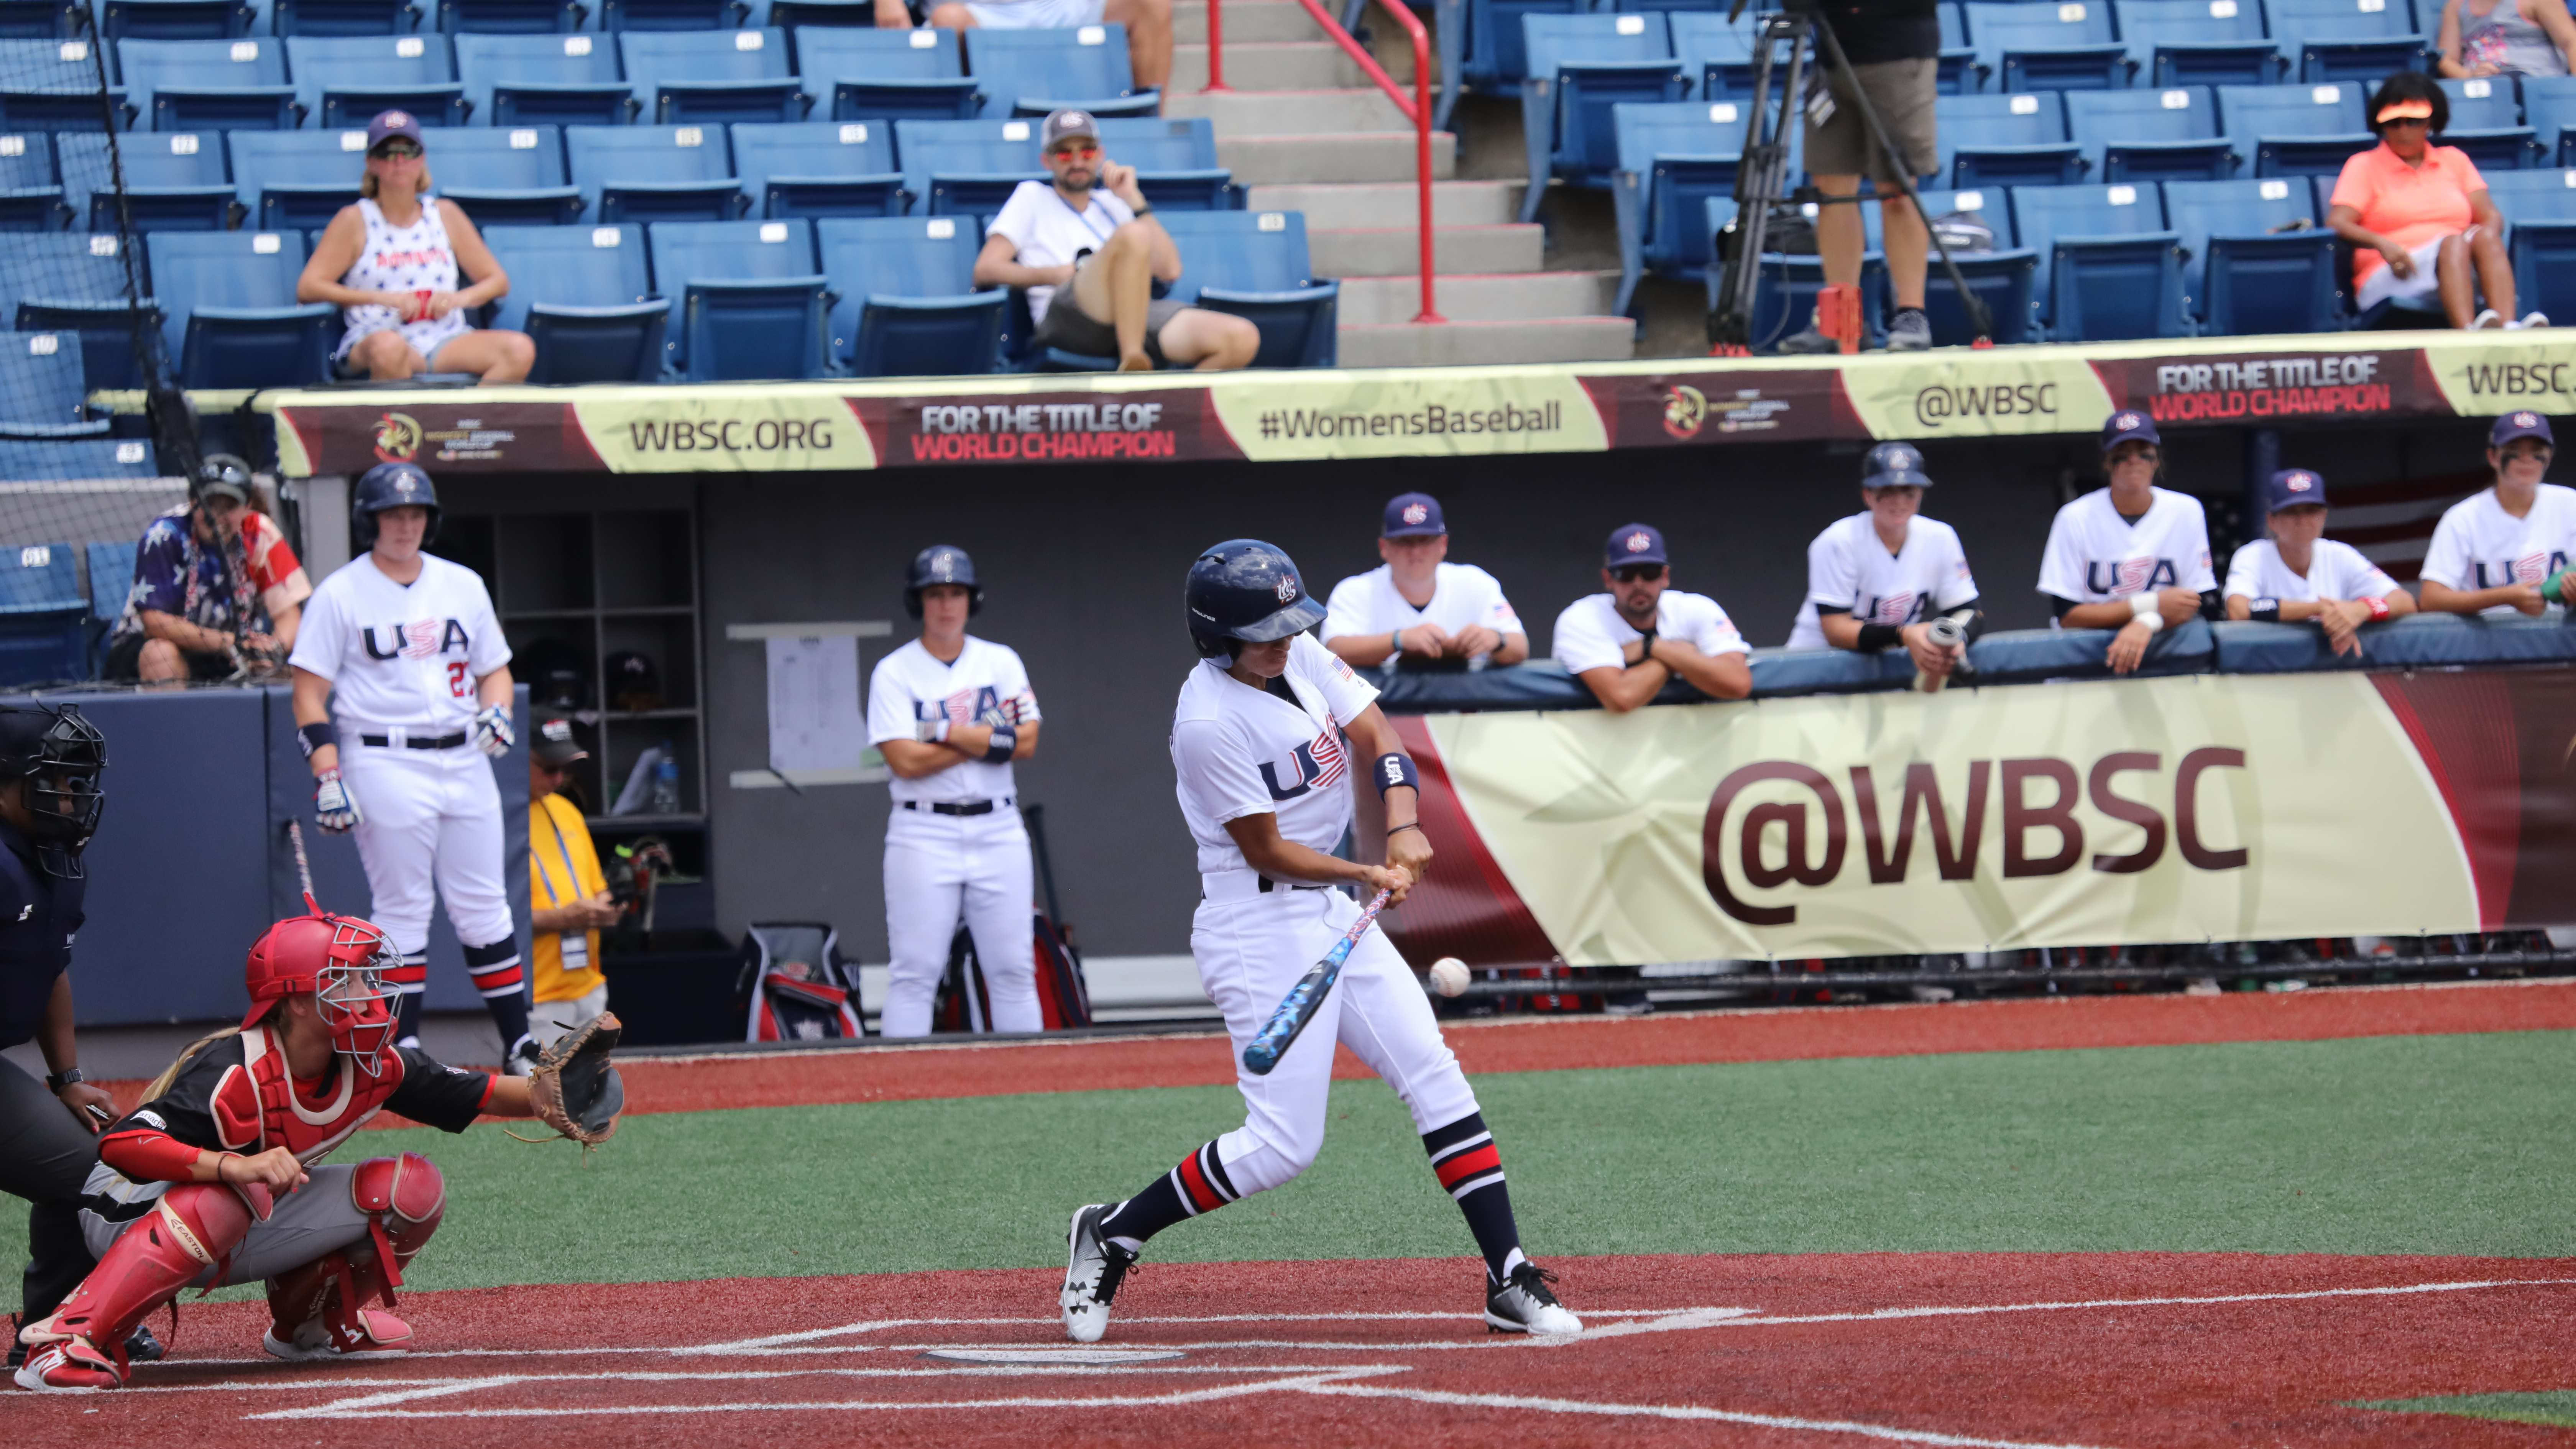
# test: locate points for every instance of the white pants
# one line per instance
(939, 869)
(429, 815)
(2384, 283)
(1250, 951)
(550, 1021)
(319, 1217)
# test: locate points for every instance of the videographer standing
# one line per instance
(1894, 47)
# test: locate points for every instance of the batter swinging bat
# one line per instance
(1298, 1007)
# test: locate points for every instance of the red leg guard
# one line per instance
(321, 1309)
(405, 1197)
(194, 1227)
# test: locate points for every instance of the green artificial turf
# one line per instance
(2385, 1145)
(2553, 1407)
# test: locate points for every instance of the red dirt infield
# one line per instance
(2125, 1350)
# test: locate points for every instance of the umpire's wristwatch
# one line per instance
(67, 1077)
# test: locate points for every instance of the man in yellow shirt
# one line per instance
(567, 894)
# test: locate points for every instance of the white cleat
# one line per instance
(1523, 1303)
(1093, 1270)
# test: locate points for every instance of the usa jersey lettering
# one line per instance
(416, 640)
(1316, 763)
(2531, 568)
(2130, 576)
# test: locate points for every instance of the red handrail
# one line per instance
(1417, 110)
(1216, 53)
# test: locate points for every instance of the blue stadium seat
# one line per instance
(2549, 106)
(517, 175)
(2347, 40)
(823, 14)
(2199, 43)
(296, 180)
(43, 618)
(965, 168)
(2108, 267)
(77, 458)
(2150, 135)
(345, 17)
(42, 19)
(2004, 140)
(2026, 47)
(1716, 57)
(42, 391)
(886, 75)
(819, 169)
(510, 17)
(1032, 72)
(2248, 267)
(52, 85)
(210, 85)
(1785, 286)
(905, 300)
(111, 564)
(2486, 124)
(1672, 160)
(1175, 160)
(230, 318)
(585, 296)
(2005, 279)
(1580, 67)
(712, 77)
(76, 282)
(1955, 68)
(1254, 264)
(746, 301)
(2295, 130)
(1493, 60)
(31, 189)
(619, 15)
(565, 80)
(654, 173)
(174, 181)
(346, 80)
(2540, 215)
(176, 20)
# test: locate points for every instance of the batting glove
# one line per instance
(492, 733)
(930, 731)
(334, 808)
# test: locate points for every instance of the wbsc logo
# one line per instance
(1938, 405)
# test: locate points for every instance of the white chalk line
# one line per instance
(1881, 1315)
(646, 1376)
(780, 1340)
(1674, 1411)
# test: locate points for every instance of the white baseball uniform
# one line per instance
(403, 660)
(1241, 751)
(2478, 545)
(2095, 556)
(1590, 633)
(942, 862)
(1461, 595)
(2335, 571)
(1850, 570)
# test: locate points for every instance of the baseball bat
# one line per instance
(1298, 1007)
(303, 867)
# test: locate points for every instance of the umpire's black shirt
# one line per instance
(39, 914)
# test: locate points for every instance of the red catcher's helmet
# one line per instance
(341, 959)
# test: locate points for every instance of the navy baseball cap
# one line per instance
(389, 124)
(1894, 465)
(2291, 487)
(2520, 425)
(1413, 515)
(1633, 543)
(2129, 425)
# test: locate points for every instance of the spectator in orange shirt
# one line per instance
(2418, 215)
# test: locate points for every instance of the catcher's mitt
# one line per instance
(573, 1089)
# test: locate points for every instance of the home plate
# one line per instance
(1054, 1356)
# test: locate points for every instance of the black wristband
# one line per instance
(997, 750)
(2267, 610)
(68, 1076)
(1874, 637)
(314, 736)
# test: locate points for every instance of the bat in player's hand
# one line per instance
(1298, 1007)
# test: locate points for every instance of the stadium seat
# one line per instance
(2347, 40)
(620, 15)
(2004, 140)
(654, 173)
(1492, 58)
(712, 77)
(209, 85)
(565, 80)
(110, 565)
(2004, 279)
(31, 189)
(2199, 43)
(42, 392)
(510, 17)
(345, 17)
(886, 75)
(2108, 268)
(43, 617)
(2039, 47)
(2549, 106)
(1032, 72)
(818, 169)
(296, 180)
(1716, 57)
(77, 282)
(584, 295)
(1955, 68)
(79, 458)
(746, 301)
(2150, 135)
(1580, 66)
(2295, 130)
(230, 318)
(2249, 266)
(1785, 288)
(2540, 228)
(1672, 160)
(965, 168)
(517, 175)
(174, 181)
(1175, 160)
(345, 81)
(904, 297)
(1254, 264)
(52, 85)
(823, 14)
(176, 20)
(42, 19)
(2486, 124)
(2487, 103)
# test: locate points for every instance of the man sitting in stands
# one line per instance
(1089, 238)
(217, 589)
(1148, 22)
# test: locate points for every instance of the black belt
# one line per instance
(950, 807)
(1268, 885)
(414, 742)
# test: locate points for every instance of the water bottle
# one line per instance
(666, 782)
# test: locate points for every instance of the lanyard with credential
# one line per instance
(575, 944)
(1083, 216)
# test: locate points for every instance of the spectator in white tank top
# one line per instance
(393, 264)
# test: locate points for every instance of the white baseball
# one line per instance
(1448, 975)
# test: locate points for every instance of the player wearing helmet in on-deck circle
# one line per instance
(220, 1162)
(1264, 741)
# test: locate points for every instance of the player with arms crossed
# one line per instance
(1263, 742)
(404, 648)
(1627, 643)
(2299, 574)
(2505, 550)
(2132, 557)
(1879, 576)
(950, 712)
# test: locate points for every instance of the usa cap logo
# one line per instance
(1287, 589)
(2125, 422)
(2300, 482)
(1639, 543)
(2526, 420)
(396, 118)
(1415, 513)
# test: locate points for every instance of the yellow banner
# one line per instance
(1423, 412)
(2481, 375)
(1956, 394)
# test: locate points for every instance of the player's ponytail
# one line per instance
(160, 1085)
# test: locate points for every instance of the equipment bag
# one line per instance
(963, 1002)
(797, 985)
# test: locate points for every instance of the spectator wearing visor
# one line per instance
(2504, 550)
(2423, 229)
(217, 590)
(1879, 577)
(2299, 575)
(1418, 609)
(2132, 557)
(1085, 247)
(568, 897)
(1626, 643)
(395, 265)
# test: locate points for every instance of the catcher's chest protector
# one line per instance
(257, 1108)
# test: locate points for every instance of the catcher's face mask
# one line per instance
(351, 995)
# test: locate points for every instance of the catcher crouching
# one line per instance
(213, 1180)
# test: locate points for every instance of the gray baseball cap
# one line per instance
(1064, 125)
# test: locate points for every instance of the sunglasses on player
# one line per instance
(398, 151)
(1637, 573)
(1082, 152)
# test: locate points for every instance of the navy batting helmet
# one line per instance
(390, 485)
(1246, 591)
(61, 757)
(941, 564)
(1894, 465)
